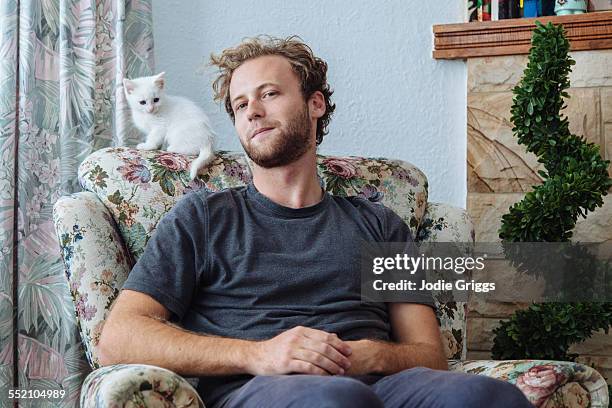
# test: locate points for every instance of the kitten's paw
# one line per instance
(193, 173)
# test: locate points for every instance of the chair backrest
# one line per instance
(136, 188)
(139, 187)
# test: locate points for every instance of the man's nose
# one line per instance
(254, 110)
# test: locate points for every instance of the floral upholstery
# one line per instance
(443, 223)
(547, 384)
(138, 385)
(103, 230)
(95, 259)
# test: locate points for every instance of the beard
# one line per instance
(290, 144)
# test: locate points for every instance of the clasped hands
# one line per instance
(302, 350)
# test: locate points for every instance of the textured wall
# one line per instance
(392, 98)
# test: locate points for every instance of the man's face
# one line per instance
(271, 117)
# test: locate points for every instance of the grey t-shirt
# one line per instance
(236, 264)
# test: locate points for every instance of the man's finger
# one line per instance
(316, 362)
(319, 360)
(328, 351)
(329, 338)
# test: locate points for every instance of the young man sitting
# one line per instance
(256, 290)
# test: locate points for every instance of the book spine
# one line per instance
(548, 7)
(514, 10)
(486, 10)
(530, 8)
(474, 7)
(494, 10)
(503, 10)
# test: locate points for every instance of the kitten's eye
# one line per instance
(143, 102)
(155, 100)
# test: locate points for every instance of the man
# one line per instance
(263, 280)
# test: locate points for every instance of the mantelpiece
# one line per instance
(589, 31)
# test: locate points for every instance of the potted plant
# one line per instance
(575, 180)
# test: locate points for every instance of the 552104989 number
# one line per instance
(36, 394)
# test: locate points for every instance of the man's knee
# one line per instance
(482, 391)
(305, 391)
(346, 392)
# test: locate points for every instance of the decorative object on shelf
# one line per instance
(565, 7)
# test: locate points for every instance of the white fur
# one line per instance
(173, 123)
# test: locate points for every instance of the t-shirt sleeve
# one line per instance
(169, 270)
(398, 231)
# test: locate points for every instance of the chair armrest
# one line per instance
(95, 259)
(445, 223)
(545, 383)
(137, 385)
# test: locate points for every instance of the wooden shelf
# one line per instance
(589, 31)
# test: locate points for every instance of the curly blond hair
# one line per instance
(311, 70)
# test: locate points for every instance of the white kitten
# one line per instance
(170, 122)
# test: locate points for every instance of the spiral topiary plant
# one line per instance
(575, 180)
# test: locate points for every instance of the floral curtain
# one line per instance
(61, 64)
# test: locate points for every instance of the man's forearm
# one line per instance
(397, 357)
(389, 358)
(146, 340)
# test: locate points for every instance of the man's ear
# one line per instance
(128, 86)
(159, 80)
(317, 104)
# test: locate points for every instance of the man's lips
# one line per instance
(261, 130)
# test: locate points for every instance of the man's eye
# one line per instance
(143, 102)
(271, 93)
(155, 100)
(240, 106)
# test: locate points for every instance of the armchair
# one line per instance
(104, 229)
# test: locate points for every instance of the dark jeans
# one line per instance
(416, 387)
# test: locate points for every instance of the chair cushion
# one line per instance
(139, 187)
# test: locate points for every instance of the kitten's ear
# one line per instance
(159, 80)
(128, 86)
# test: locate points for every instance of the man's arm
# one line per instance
(417, 343)
(137, 331)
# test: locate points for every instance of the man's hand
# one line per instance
(301, 350)
(365, 358)
(378, 357)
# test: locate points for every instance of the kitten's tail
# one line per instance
(204, 158)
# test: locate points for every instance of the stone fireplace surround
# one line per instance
(499, 171)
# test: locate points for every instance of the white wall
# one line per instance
(393, 99)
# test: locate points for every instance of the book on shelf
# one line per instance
(493, 10)
(485, 14)
(486, 10)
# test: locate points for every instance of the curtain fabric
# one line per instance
(61, 64)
